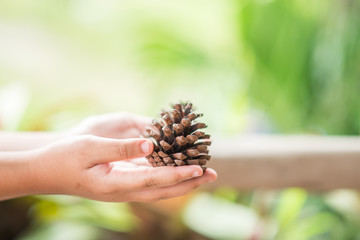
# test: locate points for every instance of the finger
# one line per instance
(104, 150)
(148, 177)
(140, 122)
(179, 189)
(134, 120)
(131, 132)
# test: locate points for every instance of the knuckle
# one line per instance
(123, 151)
(149, 180)
(176, 175)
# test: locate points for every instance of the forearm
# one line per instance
(18, 171)
(21, 141)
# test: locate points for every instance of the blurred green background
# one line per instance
(252, 66)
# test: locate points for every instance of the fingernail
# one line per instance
(196, 174)
(145, 147)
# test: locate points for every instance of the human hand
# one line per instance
(113, 125)
(106, 169)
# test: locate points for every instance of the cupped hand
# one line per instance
(112, 170)
(113, 125)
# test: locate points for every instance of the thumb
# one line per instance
(111, 150)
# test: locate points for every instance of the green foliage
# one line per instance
(290, 203)
(245, 64)
(63, 217)
(312, 219)
(290, 214)
(304, 56)
(219, 219)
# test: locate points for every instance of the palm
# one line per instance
(120, 166)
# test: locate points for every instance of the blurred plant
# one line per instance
(218, 219)
(63, 217)
(290, 214)
(307, 216)
(14, 100)
(304, 57)
(293, 62)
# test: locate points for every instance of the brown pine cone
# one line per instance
(177, 138)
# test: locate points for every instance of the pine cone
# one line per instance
(177, 138)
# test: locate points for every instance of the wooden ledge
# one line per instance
(277, 161)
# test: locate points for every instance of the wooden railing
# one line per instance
(275, 161)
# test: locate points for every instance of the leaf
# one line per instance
(289, 207)
(219, 219)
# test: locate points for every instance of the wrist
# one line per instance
(19, 177)
(43, 173)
